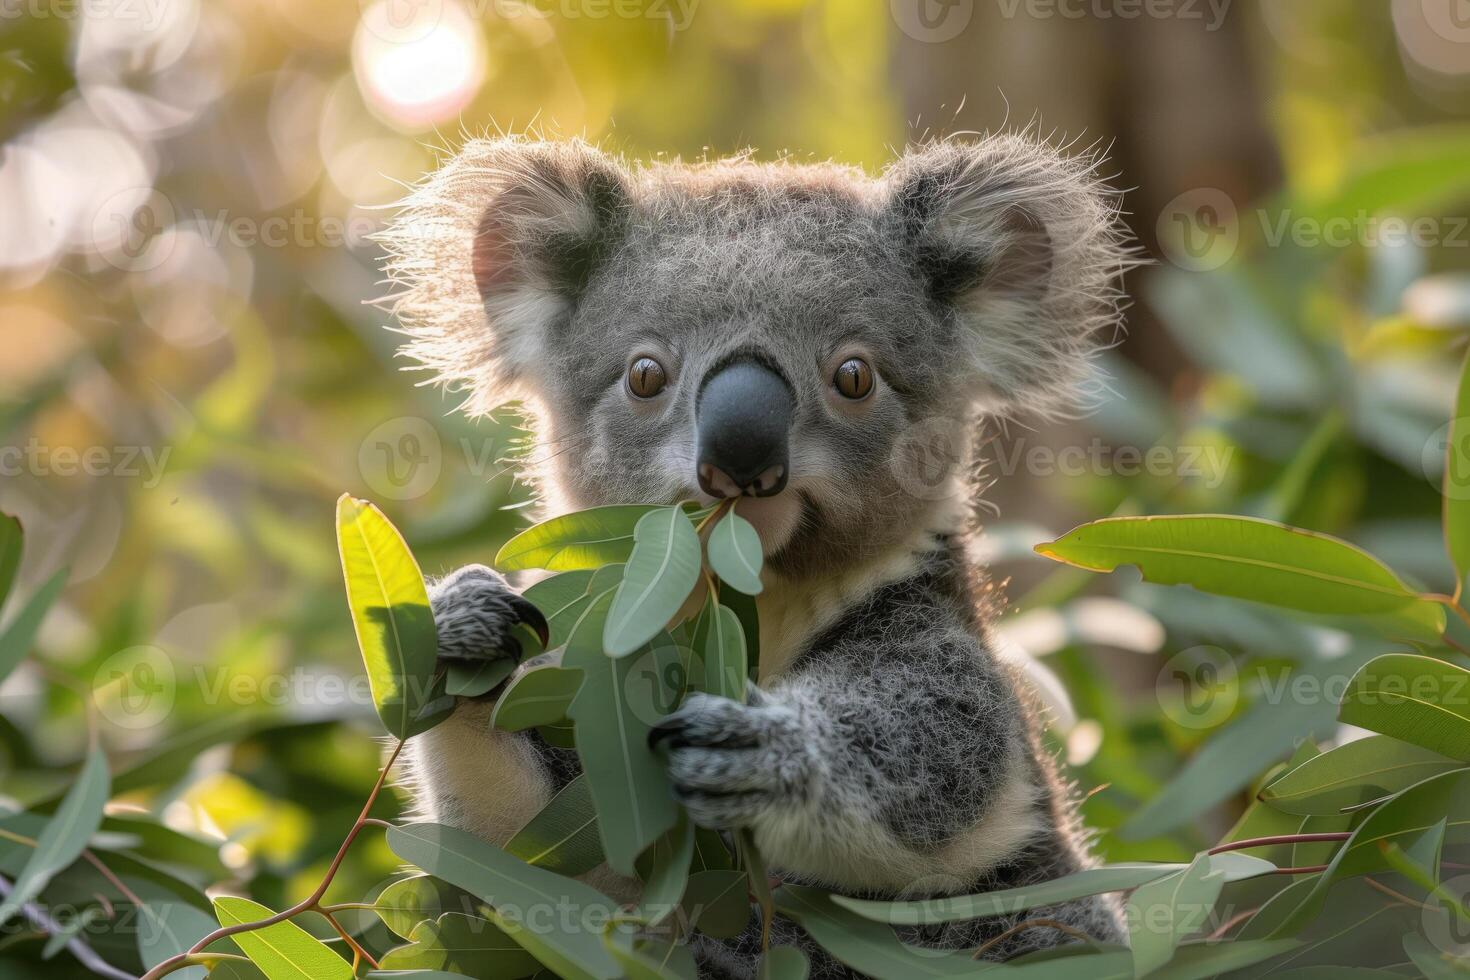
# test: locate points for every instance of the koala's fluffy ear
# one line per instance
(490, 253)
(1021, 245)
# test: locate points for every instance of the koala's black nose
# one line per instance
(743, 417)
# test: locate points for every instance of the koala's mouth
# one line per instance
(776, 519)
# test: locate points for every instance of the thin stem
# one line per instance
(90, 858)
(1032, 924)
(1231, 923)
(1279, 839)
(727, 504)
(358, 953)
(1396, 895)
(305, 905)
(1309, 869)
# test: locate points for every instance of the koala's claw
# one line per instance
(729, 762)
(474, 612)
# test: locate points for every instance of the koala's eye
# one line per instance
(646, 377)
(854, 379)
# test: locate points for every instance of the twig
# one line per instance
(358, 953)
(1231, 923)
(91, 859)
(1279, 839)
(1031, 924)
(305, 905)
(1396, 895)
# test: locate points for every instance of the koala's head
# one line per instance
(775, 331)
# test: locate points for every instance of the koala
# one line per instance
(788, 334)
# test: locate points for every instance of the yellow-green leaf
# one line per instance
(587, 539)
(1363, 769)
(1457, 484)
(283, 951)
(390, 612)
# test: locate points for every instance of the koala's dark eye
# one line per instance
(854, 379)
(646, 377)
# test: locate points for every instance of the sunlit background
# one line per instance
(190, 372)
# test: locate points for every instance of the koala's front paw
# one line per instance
(730, 762)
(474, 614)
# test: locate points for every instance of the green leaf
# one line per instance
(1420, 700)
(710, 853)
(745, 610)
(649, 959)
(717, 903)
(1435, 964)
(1163, 913)
(587, 539)
(556, 596)
(866, 946)
(20, 635)
(410, 901)
(1247, 558)
(613, 713)
(1457, 484)
(722, 647)
(664, 869)
(536, 696)
(662, 570)
(390, 612)
(606, 577)
(735, 553)
(523, 898)
(563, 836)
(783, 963)
(12, 538)
(283, 951)
(1198, 961)
(465, 945)
(167, 926)
(65, 835)
(473, 680)
(1400, 820)
(1093, 881)
(1353, 773)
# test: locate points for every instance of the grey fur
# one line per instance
(889, 751)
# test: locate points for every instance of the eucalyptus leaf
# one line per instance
(783, 963)
(556, 596)
(20, 635)
(522, 898)
(1248, 558)
(390, 612)
(536, 696)
(1352, 773)
(64, 836)
(563, 836)
(1457, 484)
(735, 553)
(283, 951)
(167, 926)
(586, 539)
(408, 902)
(1163, 913)
(613, 714)
(662, 571)
(722, 649)
(717, 903)
(664, 870)
(473, 680)
(463, 944)
(12, 539)
(1081, 884)
(650, 959)
(865, 945)
(1420, 700)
